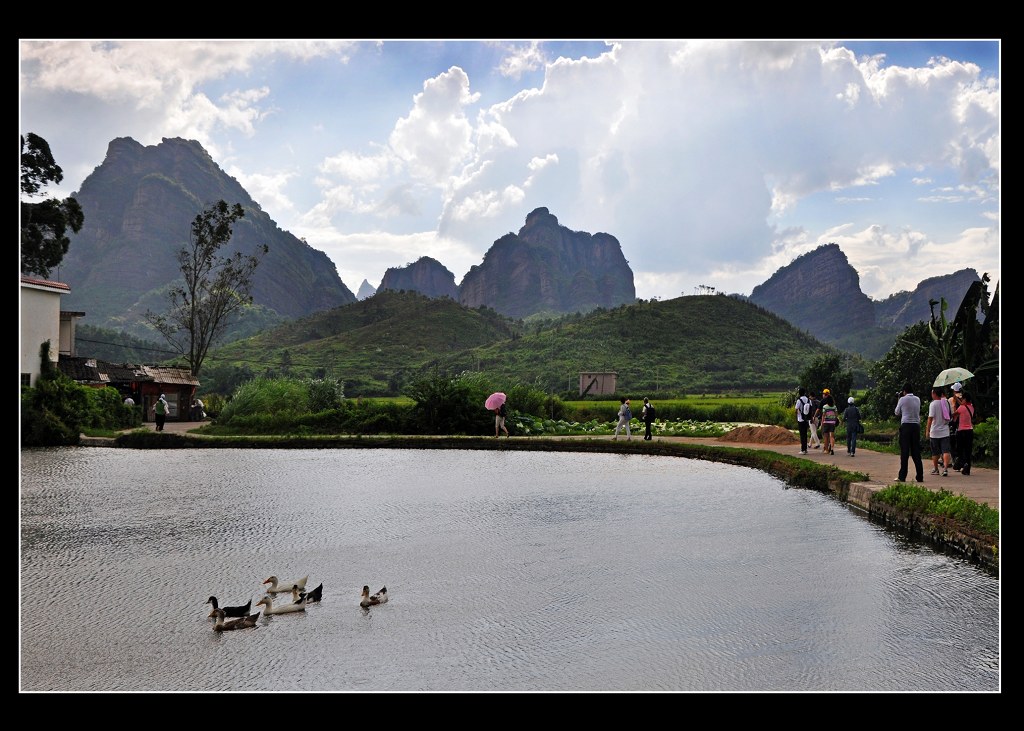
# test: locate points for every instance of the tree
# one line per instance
(44, 224)
(926, 348)
(830, 371)
(966, 341)
(215, 288)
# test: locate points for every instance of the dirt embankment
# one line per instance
(760, 435)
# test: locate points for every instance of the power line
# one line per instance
(123, 345)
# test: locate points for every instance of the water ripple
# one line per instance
(506, 571)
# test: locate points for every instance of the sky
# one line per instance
(713, 162)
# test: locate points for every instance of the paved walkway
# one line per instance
(981, 485)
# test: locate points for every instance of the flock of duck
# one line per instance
(241, 617)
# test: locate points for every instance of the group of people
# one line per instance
(625, 415)
(812, 413)
(950, 430)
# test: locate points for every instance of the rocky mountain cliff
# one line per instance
(906, 308)
(425, 275)
(548, 269)
(139, 205)
(820, 292)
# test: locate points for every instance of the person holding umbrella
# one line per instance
(496, 403)
(955, 400)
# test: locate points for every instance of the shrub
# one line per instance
(324, 394)
(986, 439)
(264, 396)
(450, 404)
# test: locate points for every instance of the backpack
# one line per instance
(806, 410)
(629, 413)
(502, 411)
(649, 415)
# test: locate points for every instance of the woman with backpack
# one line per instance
(160, 409)
(829, 419)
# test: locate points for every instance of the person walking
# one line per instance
(908, 408)
(954, 400)
(851, 418)
(499, 420)
(648, 416)
(937, 429)
(160, 408)
(965, 432)
(812, 424)
(829, 421)
(803, 417)
(625, 415)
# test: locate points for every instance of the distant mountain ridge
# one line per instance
(820, 292)
(139, 205)
(140, 202)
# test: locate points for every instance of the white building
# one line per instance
(42, 319)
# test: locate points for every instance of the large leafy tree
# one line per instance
(970, 340)
(831, 371)
(215, 287)
(45, 223)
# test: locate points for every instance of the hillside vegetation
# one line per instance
(373, 345)
(681, 346)
(687, 345)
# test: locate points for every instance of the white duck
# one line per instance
(379, 598)
(241, 623)
(282, 609)
(280, 587)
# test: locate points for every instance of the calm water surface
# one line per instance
(507, 571)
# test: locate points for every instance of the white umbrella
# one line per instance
(952, 375)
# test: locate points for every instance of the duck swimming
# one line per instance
(379, 598)
(282, 609)
(280, 587)
(242, 611)
(248, 620)
(313, 596)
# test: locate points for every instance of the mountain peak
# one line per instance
(547, 269)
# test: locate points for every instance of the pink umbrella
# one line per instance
(494, 401)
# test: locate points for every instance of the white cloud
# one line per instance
(434, 139)
(712, 162)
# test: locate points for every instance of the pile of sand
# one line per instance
(760, 435)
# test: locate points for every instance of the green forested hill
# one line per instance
(693, 344)
(374, 345)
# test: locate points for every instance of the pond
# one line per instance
(506, 571)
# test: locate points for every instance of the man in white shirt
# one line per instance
(908, 408)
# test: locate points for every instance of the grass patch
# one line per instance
(944, 504)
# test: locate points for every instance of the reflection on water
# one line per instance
(506, 571)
